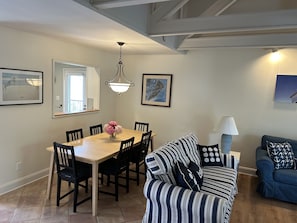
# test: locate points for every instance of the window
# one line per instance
(76, 89)
(75, 99)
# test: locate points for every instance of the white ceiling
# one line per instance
(157, 26)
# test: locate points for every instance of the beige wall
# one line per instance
(207, 84)
(28, 129)
(211, 83)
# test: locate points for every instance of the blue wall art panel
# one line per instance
(286, 88)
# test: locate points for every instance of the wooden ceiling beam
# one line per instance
(218, 7)
(107, 4)
(276, 20)
(255, 41)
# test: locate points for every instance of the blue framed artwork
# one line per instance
(156, 89)
(286, 88)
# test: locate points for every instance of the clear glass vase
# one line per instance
(113, 135)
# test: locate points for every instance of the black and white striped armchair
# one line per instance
(169, 203)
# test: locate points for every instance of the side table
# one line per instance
(236, 155)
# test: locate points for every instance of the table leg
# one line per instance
(94, 188)
(50, 177)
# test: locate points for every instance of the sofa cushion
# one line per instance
(185, 177)
(221, 174)
(197, 171)
(286, 176)
(188, 144)
(210, 155)
(281, 154)
(269, 138)
(162, 160)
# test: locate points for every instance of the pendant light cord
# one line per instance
(121, 44)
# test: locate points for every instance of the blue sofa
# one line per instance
(280, 184)
(168, 203)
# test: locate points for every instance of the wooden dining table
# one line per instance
(94, 150)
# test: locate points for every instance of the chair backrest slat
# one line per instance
(96, 129)
(124, 153)
(145, 141)
(74, 135)
(141, 126)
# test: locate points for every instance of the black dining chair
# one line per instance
(144, 127)
(141, 126)
(74, 134)
(68, 170)
(138, 154)
(116, 166)
(96, 129)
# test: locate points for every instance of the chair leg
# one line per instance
(58, 191)
(87, 185)
(75, 196)
(137, 173)
(108, 179)
(116, 187)
(127, 179)
(145, 169)
(152, 146)
(102, 178)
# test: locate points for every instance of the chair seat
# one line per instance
(82, 165)
(137, 154)
(110, 166)
(83, 172)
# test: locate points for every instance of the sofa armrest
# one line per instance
(167, 203)
(265, 165)
(229, 161)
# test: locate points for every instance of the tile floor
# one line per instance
(29, 205)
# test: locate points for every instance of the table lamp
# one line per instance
(228, 128)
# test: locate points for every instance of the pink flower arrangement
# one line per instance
(112, 128)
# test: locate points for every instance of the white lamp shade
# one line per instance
(227, 126)
(119, 87)
(120, 83)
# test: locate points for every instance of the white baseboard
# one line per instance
(20, 182)
(247, 170)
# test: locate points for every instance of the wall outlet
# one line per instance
(18, 166)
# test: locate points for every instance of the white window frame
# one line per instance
(67, 73)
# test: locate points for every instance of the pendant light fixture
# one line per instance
(120, 83)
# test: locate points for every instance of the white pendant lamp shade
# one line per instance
(119, 87)
(120, 83)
